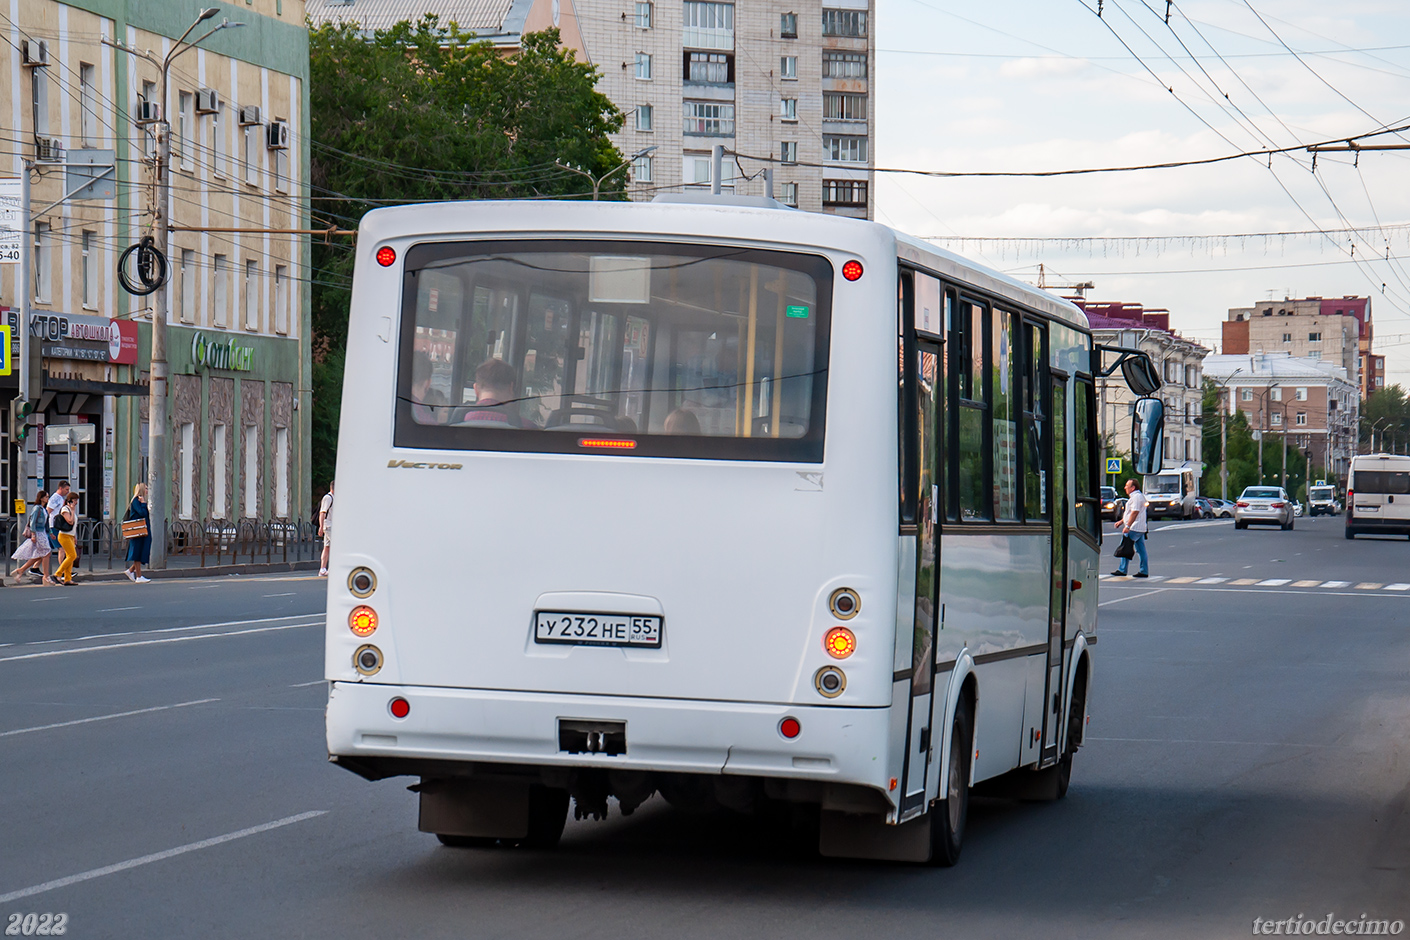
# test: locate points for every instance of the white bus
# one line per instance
(635, 499)
(1172, 493)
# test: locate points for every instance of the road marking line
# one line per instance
(302, 685)
(289, 594)
(1398, 587)
(1244, 582)
(1306, 584)
(84, 721)
(168, 639)
(202, 587)
(1274, 582)
(194, 626)
(1182, 581)
(156, 857)
(1130, 597)
(1335, 584)
(109, 610)
(1211, 580)
(1369, 586)
(1202, 741)
(40, 600)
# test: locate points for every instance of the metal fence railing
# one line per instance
(213, 541)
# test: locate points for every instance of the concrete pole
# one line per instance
(1223, 453)
(717, 166)
(157, 469)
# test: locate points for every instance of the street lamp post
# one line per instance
(157, 452)
(1263, 426)
(1374, 426)
(597, 181)
(1224, 436)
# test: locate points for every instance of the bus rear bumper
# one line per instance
(473, 726)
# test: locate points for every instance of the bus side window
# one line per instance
(971, 423)
(1084, 458)
(905, 396)
(1035, 422)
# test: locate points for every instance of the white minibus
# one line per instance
(715, 499)
(1378, 495)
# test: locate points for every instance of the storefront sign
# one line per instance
(12, 224)
(91, 339)
(213, 355)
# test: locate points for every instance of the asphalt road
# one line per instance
(162, 774)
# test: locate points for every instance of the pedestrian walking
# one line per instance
(325, 527)
(66, 522)
(55, 506)
(1133, 525)
(34, 550)
(139, 548)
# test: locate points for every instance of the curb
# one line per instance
(119, 574)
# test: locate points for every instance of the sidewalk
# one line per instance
(178, 566)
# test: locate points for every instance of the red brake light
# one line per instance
(1241, 504)
(400, 708)
(790, 728)
(607, 443)
(852, 270)
(363, 620)
(1277, 505)
(386, 255)
(840, 643)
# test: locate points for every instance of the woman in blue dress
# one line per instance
(139, 550)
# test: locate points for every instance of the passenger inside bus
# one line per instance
(428, 405)
(495, 385)
(682, 421)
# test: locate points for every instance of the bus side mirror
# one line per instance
(1148, 435)
(1140, 374)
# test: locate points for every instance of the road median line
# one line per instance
(168, 639)
(85, 721)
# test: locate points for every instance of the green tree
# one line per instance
(1388, 413)
(423, 112)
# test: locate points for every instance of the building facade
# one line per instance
(237, 259)
(1311, 401)
(1338, 330)
(1180, 363)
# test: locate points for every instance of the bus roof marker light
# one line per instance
(362, 621)
(840, 642)
(852, 270)
(386, 256)
(790, 728)
(607, 443)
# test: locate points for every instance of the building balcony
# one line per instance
(706, 37)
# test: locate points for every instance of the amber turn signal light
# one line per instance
(363, 620)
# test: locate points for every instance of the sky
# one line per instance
(1039, 85)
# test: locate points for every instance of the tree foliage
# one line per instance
(1243, 454)
(420, 113)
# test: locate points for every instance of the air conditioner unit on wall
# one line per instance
(148, 112)
(278, 135)
(48, 149)
(35, 51)
(249, 114)
(207, 101)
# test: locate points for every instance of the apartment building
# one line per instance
(237, 292)
(1312, 401)
(1337, 329)
(1180, 362)
(774, 81)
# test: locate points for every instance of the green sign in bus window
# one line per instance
(796, 312)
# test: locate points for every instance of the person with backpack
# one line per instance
(66, 524)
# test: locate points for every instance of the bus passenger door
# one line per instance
(1057, 593)
(929, 431)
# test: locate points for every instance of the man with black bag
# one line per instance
(1133, 532)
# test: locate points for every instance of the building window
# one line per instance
(788, 109)
(696, 170)
(220, 272)
(641, 169)
(1314, 337)
(643, 66)
(218, 140)
(788, 151)
(1301, 417)
(1278, 418)
(188, 286)
(281, 170)
(251, 295)
(715, 68)
(845, 149)
(1380, 381)
(644, 114)
(281, 472)
(1276, 394)
(842, 107)
(849, 23)
(844, 192)
(90, 270)
(251, 167)
(844, 65)
(644, 15)
(182, 143)
(43, 260)
(708, 25)
(788, 67)
(188, 470)
(788, 25)
(1245, 394)
(1314, 354)
(1287, 337)
(709, 118)
(218, 464)
(1302, 394)
(88, 102)
(788, 194)
(251, 470)
(281, 299)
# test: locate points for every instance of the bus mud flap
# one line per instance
(496, 809)
(853, 835)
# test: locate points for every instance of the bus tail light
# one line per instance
(386, 256)
(367, 660)
(790, 728)
(840, 643)
(852, 270)
(399, 707)
(362, 621)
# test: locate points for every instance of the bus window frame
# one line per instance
(810, 448)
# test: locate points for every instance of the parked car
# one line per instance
(1223, 508)
(1297, 508)
(1263, 505)
(1113, 504)
(1204, 508)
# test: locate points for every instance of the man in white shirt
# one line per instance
(1133, 523)
(54, 507)
(325, 527)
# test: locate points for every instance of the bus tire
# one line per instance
(548, 812)
(947, 826)
(1350, 533)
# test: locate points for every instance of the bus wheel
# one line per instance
(548, 812)
(947, 826)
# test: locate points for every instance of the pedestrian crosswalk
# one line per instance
(1305, 584)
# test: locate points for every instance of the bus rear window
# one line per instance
(561, 346)
(1381, 481)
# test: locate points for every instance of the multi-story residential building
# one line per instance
(1312, 401)
(1133, 326)
(774, 80)
(237, 293)
(501, 22)
(1335, 329)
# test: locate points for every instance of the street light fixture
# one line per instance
(157, 416)
(597, 181)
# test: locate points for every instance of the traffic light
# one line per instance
(20, 410)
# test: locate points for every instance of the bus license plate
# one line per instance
(583, 629)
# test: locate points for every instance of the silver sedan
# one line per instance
(1263, 505)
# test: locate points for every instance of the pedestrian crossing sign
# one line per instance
(6, 366)
(1113, 465)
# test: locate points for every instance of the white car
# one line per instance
(1263, 505)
